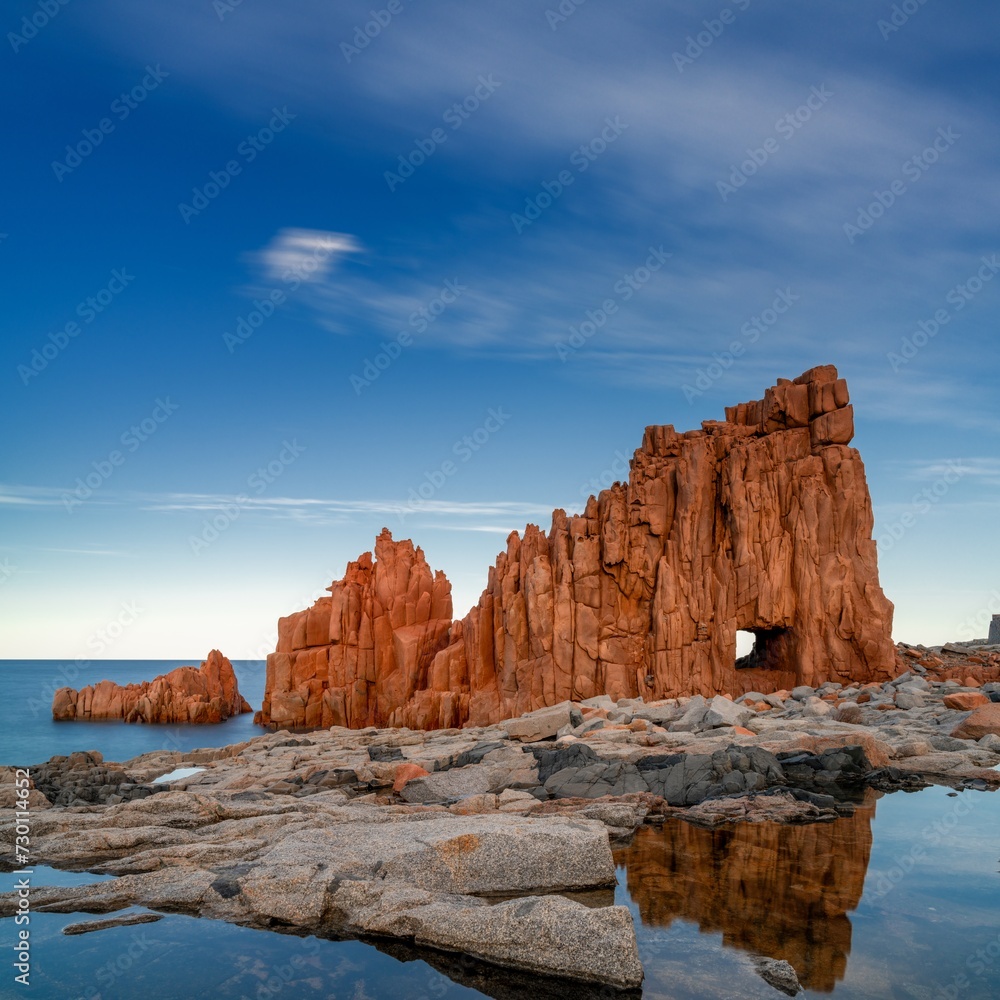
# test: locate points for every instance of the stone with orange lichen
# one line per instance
(406, 772)
(984, 721)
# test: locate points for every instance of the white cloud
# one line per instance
(89, 552)
(983, 470)
(312, 509)
(31, 496)
(308, 255)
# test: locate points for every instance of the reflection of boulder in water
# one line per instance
(772, 889)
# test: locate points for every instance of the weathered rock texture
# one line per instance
(208, 693)
(761, 522)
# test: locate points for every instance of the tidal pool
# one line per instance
(900, 900)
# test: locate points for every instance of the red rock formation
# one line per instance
(761, 522)
(363, 655)
(208, 693)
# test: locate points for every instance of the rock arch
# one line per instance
(761, 522)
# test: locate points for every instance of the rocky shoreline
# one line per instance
(490, 843)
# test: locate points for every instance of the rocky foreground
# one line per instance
(490, 842)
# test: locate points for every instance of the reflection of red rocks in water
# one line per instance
(775, 890)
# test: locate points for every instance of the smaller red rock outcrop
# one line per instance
(208, 693)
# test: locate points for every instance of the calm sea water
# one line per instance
(900, 901)
(29, 735)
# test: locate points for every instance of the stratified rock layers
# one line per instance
(208, 693)
(761, 522)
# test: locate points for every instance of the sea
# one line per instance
(900, 900)
(30, 736)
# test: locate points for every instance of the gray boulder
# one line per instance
(723, 712)
(616, 777)
(692, 717)
(498, 769)
(989, 742)
(779, 974)
(550, 935)
(816, 708)
(604, 701)
(541, 724)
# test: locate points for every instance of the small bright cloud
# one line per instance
(306, 254)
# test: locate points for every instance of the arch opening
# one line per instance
(762, 649)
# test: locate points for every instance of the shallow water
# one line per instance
(176, 774)
(902, 900)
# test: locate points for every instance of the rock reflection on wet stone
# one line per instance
(771, 889)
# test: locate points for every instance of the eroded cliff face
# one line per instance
(367, 652)
(208, 693)
(761, 522)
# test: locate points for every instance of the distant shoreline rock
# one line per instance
(204, 694)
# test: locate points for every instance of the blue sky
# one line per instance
(259, 274)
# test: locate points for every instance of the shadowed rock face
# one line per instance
(208, 693)
(775, 890)
(761, 522)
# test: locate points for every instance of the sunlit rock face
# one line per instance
(776, 890)
(761, 522)
(208, 693)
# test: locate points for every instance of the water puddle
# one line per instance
(176, 775)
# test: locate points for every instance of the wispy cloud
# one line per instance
(983, 470)
(319, 510)
(31, 496)
(304, 255)
(88, 552)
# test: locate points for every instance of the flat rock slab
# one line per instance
(540, 724)
(89, 926)
(952, 767)
(547, 934)
(325, 866)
